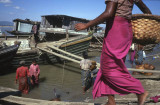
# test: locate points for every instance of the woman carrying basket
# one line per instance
(113, 76)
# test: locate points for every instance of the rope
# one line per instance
(64, 60)
(63, 74)
(98, 39)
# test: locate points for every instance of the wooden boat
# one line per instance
(74, 45)
(55, 30)
(7, 54)
(23, 27)
(59, 32)
(25, 52)
(0, 32)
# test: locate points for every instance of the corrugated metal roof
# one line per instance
(26, 21)
(63, 16)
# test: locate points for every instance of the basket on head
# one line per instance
(146, 28)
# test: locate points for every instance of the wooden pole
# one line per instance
(55, 48)
(59, 55)
(98, 65)
(98, 39)
(141, 70)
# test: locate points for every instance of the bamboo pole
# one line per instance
(55, 48)
(78, 57)
(97, 39)
(152, 55)
(141, 70)
(98, 65)
(59, 55)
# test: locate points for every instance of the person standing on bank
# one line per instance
(140, 56)
(35, 32)
(133, 53)
(85, 69)
(113, 76)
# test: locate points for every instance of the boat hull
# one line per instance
(75, 47)
(6, 56)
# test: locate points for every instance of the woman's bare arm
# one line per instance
(143, 7)
(107, 14)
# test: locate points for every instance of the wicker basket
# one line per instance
(146, 28)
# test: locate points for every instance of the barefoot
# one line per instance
(142, 97)
(111, 100)
(108, 103)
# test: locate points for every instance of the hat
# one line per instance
(22, 62)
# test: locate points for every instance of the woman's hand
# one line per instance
(80, 26)
(107, 14)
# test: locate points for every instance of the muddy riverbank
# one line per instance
(64, 78)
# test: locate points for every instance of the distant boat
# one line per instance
(7, 53)
(0, 32)
(23, 27)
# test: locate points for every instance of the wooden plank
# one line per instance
(78, 57)
(59, 55)
(141, 70)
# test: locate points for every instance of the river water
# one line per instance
(5, 29)
(62, 79)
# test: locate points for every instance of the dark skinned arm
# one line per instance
(107, 14)
(143, 7)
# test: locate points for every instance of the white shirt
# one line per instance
(132, 46)
(85, 64)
